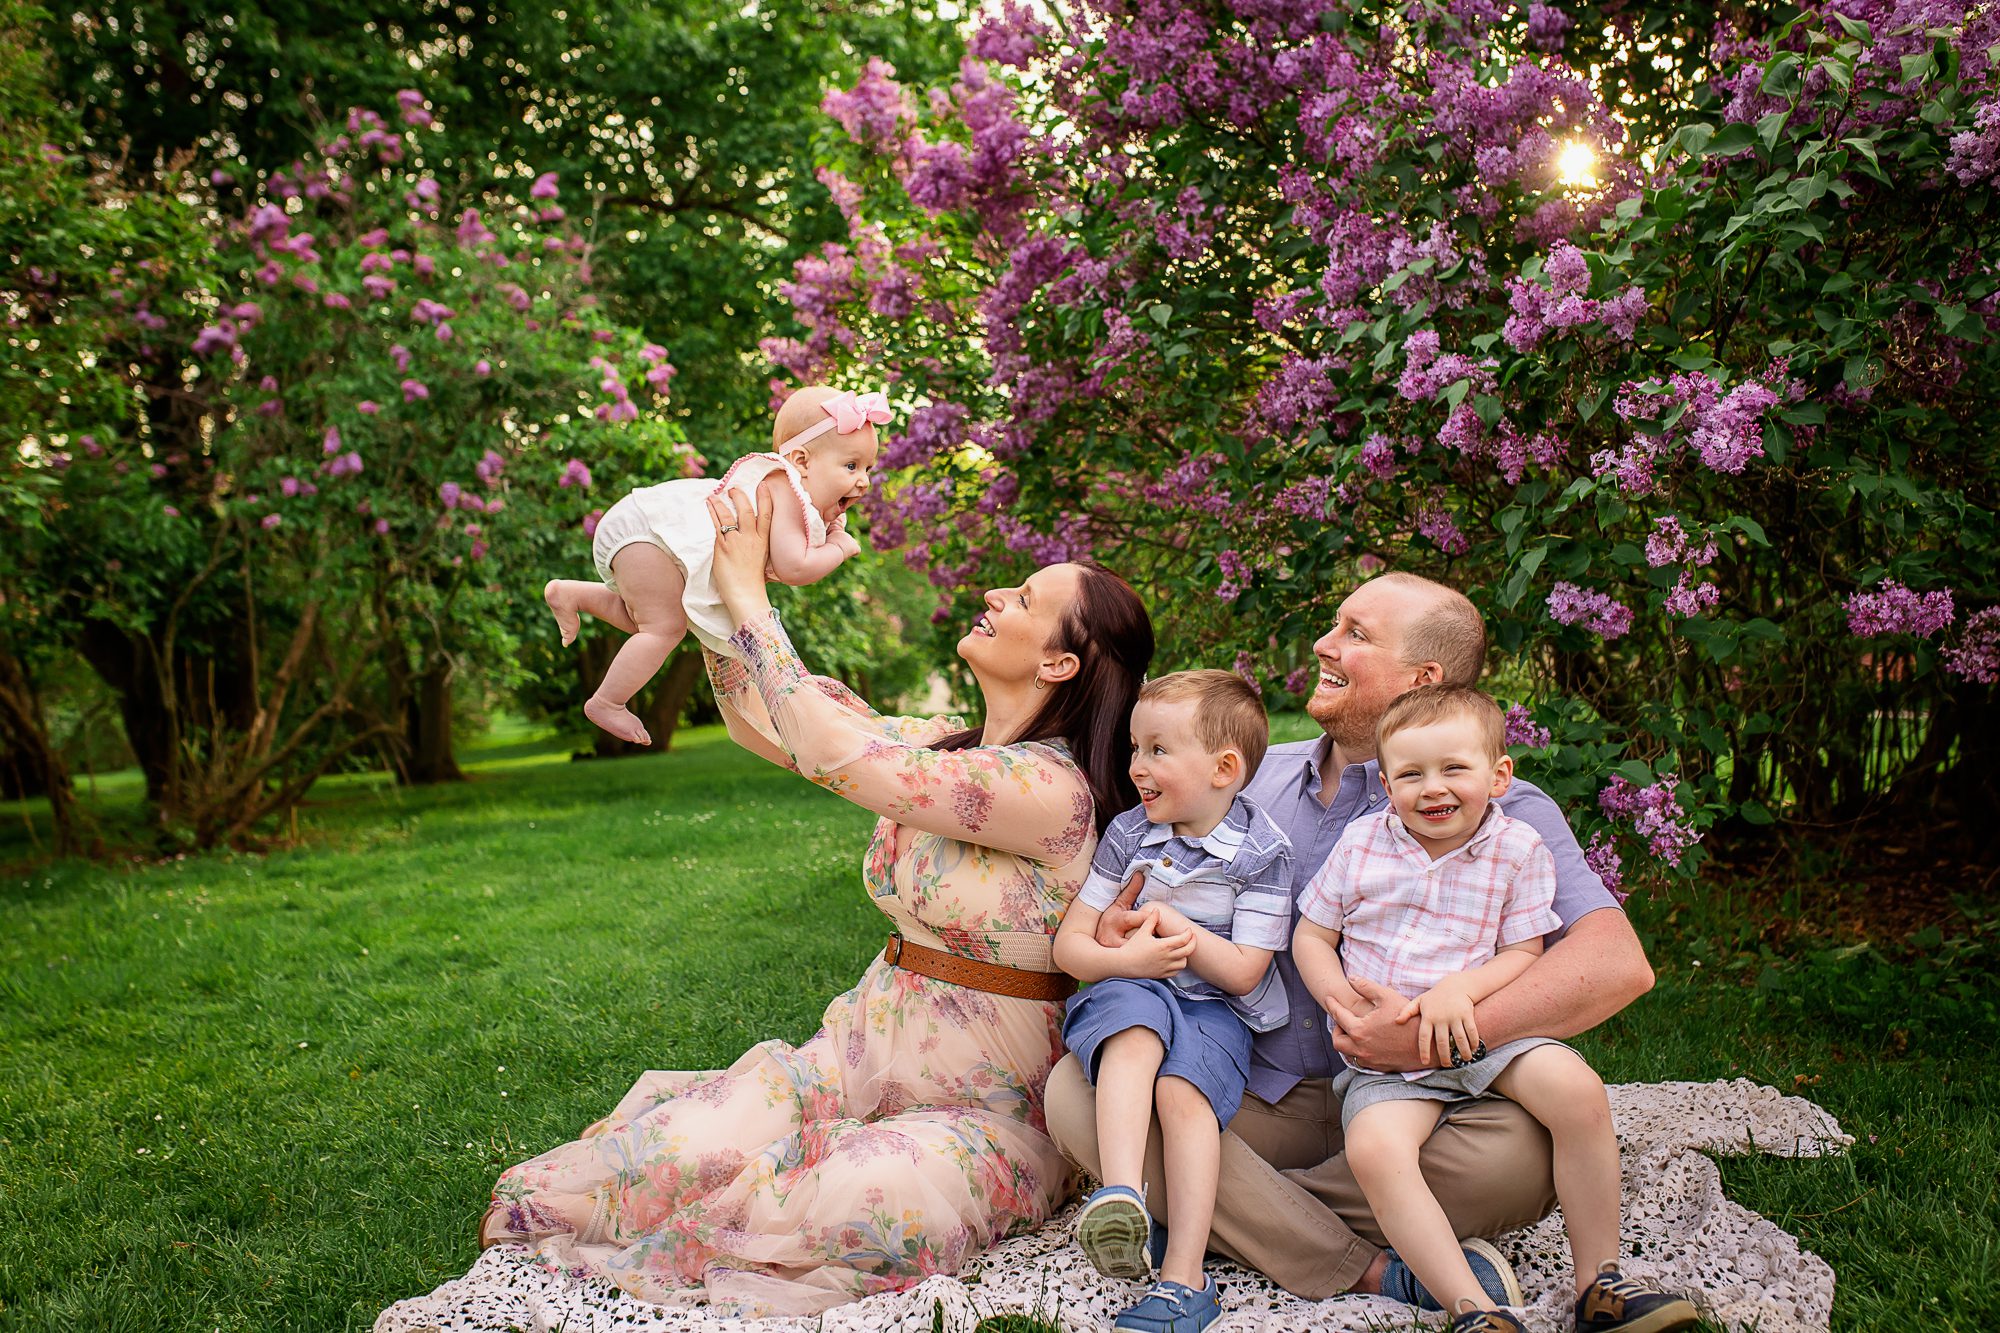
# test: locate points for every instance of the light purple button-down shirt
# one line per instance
(1287, 787)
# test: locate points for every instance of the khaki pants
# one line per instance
(1287, 1205)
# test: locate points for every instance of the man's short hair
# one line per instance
(1228, 714)
(1448, 631)
(1440, 703)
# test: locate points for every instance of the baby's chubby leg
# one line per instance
(1554, 1085)
(1382, 1145)
(652, 584)
(569, 597)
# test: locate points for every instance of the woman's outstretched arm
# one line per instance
(1018, 798)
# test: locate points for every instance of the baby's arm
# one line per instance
(1445, 1010)
(1316, 951)
(792, 559)
(1145, 953)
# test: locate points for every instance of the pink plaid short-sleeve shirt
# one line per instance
(1408, 922)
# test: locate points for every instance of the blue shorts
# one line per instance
(1207, 1044)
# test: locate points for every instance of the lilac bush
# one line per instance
(1686, 389)
(347, 441)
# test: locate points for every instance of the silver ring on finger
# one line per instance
(727, 527)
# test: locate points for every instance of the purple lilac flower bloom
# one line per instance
(1235, 573)
(482, 367)
(1690, 598)
(1977, 656)
(873, 109)
(1599, 612)
(489, 467)
(1894, 609)
(367, 407)
(574, 474)
(1522, 730)
(1568, 270)
(270, 521)
(544, 186)
(414, 390)
(1602, 856)
(590, 522)
(448, 494)
(1655, 813)
(1546, 26)
(214, 338)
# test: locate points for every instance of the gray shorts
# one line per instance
(1359, 1089)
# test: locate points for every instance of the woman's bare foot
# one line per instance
(617, 719)
(566, 616)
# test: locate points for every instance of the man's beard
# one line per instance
(1336, 716)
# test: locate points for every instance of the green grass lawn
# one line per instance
(270, 1092)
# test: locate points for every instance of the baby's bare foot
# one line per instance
(566, 617)
(617, 719)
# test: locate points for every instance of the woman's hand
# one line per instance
(742, 553)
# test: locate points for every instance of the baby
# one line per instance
(654, 548)
(1166, 1026)
(1443, 897)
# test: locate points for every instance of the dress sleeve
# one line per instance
(1028, 798)
(750, 722)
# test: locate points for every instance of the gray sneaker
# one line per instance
(1489, 1267)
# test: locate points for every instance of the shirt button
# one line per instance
(1166, 863)
(1306, 1022)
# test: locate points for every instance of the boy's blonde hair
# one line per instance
(1228, 714)
(1439, 703)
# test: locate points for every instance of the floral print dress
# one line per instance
(907, 1136)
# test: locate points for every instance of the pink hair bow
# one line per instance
(850, 411)
(845, 412)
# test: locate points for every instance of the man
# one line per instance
(1287, 1203)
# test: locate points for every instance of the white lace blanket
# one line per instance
(1680, 1232)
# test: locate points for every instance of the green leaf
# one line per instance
(1162, 313)
(1733, 138)
(1771, 126)
(1779, 73)
(1516, 585)
(1754, 812)
(1920, 66)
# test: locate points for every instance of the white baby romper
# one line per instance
(674, 517)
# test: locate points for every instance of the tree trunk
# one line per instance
(427, 728)
(31, 756)
(123, 662)
(659, 705)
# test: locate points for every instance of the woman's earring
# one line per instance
(1041, 684)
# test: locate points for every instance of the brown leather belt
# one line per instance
(992, 978)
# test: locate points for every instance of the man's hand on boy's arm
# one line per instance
(1590, 974)
(1121, 919)
(1444, 1013)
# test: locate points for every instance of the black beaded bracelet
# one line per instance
(1461, 1061)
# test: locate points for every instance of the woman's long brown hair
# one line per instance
(1107, 627)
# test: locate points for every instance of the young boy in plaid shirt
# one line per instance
(1444, 898)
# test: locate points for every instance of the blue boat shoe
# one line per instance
(1172, 1307)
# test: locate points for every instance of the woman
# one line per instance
(907, 1136)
